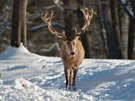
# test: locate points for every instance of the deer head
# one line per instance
(69, 42)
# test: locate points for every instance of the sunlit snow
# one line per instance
(25, 76)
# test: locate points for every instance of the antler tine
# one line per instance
(85, 11)
(92, 12)
(51, 16)
(88, 14)
(47, 18)
(44, 16)
(75, 30)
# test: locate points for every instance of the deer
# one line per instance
(71, 49)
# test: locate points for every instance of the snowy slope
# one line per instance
(25, 76)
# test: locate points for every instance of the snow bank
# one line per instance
(29, 77)
(13, 51)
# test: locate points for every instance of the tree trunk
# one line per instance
(111, 38)
(131, 40)
(2, 4)
(16, 25)
(103, 32)
(131, 33)
(18, 34)
(116, 26)
(133, 6)
(124, 30)
(23, 21)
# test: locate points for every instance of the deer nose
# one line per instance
(72, 53)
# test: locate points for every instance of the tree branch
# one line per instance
(37, 27)
(127, 9)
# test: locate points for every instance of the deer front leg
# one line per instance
(70, 79)
(75, 70)
(67, 76)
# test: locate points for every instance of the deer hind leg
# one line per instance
(67, 76)
(75, 70)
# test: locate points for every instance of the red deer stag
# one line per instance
(71, 49)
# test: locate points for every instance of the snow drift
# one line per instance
(25, 76)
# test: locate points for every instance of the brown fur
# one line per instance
(74, 61)
(71, 63)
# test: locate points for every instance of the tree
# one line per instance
(131, 32)
(102, 27)
(129, 8)
(119, 29)
(1, 4)
(110, 33)
(23, 9)
(124, 29)
(18, 33)
(116, 26)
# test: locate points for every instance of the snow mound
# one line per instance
(21, 83)
(13, 51)
(29, 88)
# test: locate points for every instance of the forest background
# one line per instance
(110, 35)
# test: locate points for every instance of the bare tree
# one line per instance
(124, 28)
(18, 34)
(116, 26)
(23, 10)
(15, 36)
(102, 26)
(110, 34)
(129, 7)
(131, 32)
(1, 4)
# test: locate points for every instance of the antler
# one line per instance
(87, 17)
(48, 19)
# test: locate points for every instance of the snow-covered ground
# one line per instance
(25, 76)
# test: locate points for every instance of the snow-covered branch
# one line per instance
(128, 9)
(55, 45)
(45, 25)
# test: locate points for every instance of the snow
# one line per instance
(25, 76)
